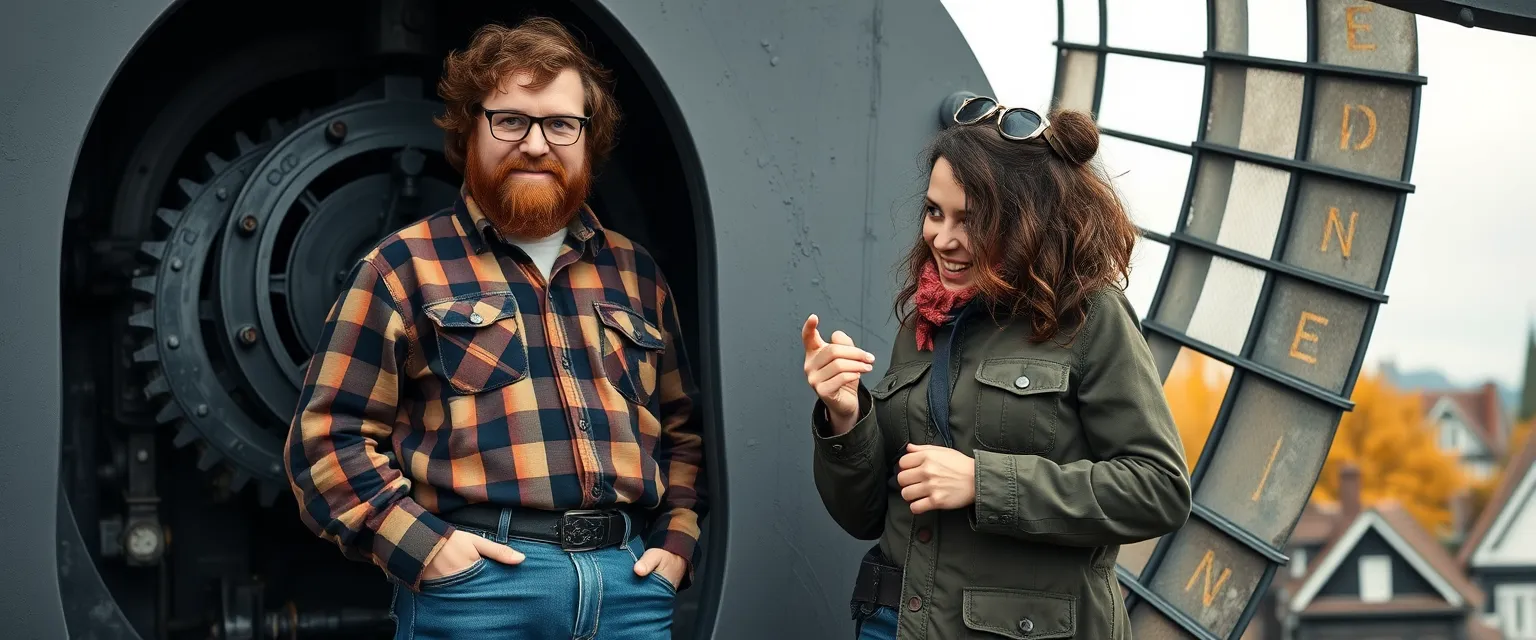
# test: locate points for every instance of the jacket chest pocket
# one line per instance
(631, 351)
(896, 411)
(479, 344)
(1019, 404)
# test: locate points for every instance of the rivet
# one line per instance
(475, 318)
(248, 224)
(221, 193)
(248, 335)
(202, 410)
(175, 264)
(172, 342)
(336, 131)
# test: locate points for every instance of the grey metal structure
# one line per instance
(181, 192)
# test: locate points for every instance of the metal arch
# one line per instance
(1246, 363)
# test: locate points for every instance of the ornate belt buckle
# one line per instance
(582, 529)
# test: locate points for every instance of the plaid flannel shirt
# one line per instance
(449, 373)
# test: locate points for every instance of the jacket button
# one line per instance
(1026, 625)
(1021, 382)
(914, 604)
(475, 318)
(924, 535)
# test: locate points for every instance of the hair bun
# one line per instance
(1076, 135)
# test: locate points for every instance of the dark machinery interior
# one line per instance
(201, 255)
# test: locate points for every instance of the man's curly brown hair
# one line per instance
(539, 46)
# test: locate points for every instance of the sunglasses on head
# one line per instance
(1013, 123)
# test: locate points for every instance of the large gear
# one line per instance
(235, 301)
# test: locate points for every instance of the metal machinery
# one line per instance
(186, 181)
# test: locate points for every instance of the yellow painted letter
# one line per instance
(1351, 28)
(1268, 466)
(1208, 563)
(1303, 334)
(1370, 127)
(1336, 226)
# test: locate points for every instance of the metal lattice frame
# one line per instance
(1295, 365)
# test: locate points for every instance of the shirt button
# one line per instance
(584, 424)
(565, 361)
(1021, 382)
(914, 604)
(597, 491)
(924, 535)
(475, 318)
(1026, 625)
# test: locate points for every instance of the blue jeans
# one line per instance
(586, 595)
(880, 625)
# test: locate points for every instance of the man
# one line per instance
(499, 414)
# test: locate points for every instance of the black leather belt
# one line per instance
(878, 582)
(573, 530)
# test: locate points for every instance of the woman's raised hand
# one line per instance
(833, 371)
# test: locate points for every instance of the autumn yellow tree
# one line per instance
(1194, 390)
(1389, 439)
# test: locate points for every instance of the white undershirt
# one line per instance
(544, 250)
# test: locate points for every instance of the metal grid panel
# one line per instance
(1276, 265)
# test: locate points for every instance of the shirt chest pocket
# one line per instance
(901, 404)
(1019, 404)
(479, 344)
(631, 351)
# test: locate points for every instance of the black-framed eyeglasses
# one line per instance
(512, 126)
(1014, 123)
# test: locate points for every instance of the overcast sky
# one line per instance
(1463, 283)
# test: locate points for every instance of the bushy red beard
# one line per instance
(525, 208)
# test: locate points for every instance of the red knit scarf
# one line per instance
(935, 304)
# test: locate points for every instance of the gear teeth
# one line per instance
(238, 478)
(215, 163)
(189, 188)
(207, 458)
(168, 218)
(184, 436)
(156, 386)
(142, 320)
(267, 493)
(145, 285)
(149, 353)
(169, 413)
(244, 142)
(154, 252)
(274, 129)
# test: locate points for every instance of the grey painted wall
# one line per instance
(809, 145)
(807, 122)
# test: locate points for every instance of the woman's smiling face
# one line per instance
(944, 227)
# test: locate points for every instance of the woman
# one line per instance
(1020, 434)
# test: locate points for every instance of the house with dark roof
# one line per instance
(1471, 425)
(1499, 552)
(1358, 573)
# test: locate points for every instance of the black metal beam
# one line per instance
(1510, 16)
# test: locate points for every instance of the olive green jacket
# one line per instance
(1076, 454)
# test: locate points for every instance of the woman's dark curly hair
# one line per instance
(1046, 228)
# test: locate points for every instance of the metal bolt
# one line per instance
(248, 335)
(202, 410)
(175, 264)
(336, 131)
(248, 224)
(172, 342)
